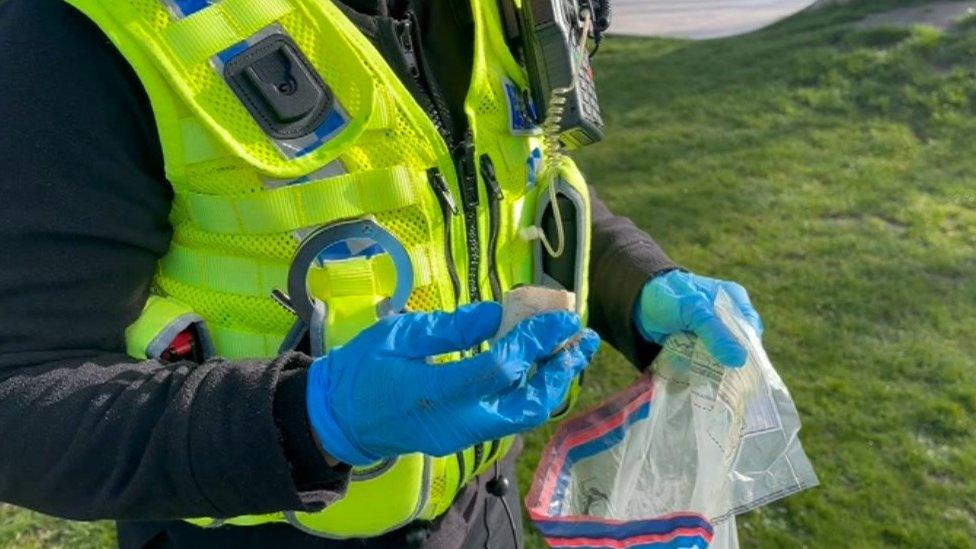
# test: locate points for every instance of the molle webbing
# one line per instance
(306, 204)
(259, 277)
(195, 39)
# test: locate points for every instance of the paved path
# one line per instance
(937, 14)
(698, 18)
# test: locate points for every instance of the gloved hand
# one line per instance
(381, 396)
(679, 301)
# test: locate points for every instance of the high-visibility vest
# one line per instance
(244, 201)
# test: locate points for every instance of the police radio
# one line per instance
(551, 37)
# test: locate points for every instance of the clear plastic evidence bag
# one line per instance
(670, 461)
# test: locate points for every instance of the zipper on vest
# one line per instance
(462, 469)
(462, 153)
(468, 181)
(495, 197)
(479, 452)
(406, 30)
(493, 449)
(448, 210)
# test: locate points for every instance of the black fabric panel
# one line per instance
(87, 432)
(623, 258)
(447, 47)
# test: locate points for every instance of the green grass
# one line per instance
(831, 170)
(29, 530)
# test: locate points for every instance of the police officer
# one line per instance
(198, 198)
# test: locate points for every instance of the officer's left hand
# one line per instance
(679, 301)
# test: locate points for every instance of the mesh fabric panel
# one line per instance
(438, 487)
(223, 176)
(492, 109)
(425, 299)
(241, 312)
(273, 246)
(153, 12)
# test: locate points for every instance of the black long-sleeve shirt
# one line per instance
(86, 432)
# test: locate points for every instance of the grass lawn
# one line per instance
(831, 170)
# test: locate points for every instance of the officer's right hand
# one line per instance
(381, 396)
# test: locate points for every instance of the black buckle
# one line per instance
(280, 88)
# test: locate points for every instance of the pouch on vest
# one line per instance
(566, 222)
(262, 91)
(163, 319)
(562, 227)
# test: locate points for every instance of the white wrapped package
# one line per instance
(670, 461)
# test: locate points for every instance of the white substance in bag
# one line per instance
(671, 460)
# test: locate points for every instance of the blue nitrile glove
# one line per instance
(381, 396)
(679, 301)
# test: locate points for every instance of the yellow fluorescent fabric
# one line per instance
(158, 314)
(306, 204)
(220, 26)
(259, 277)
(380, 507)
(233, 236)
(239, 344)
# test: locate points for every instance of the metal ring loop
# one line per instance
(322, 238)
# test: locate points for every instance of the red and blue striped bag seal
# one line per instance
(585, 436)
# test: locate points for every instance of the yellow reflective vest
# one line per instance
(246, 199)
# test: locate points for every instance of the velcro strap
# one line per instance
(306, 204)
(258, 277)
(361, 276)
(212, 30)
(353, 276)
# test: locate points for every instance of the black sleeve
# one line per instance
(622, 260)
(86, 432)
